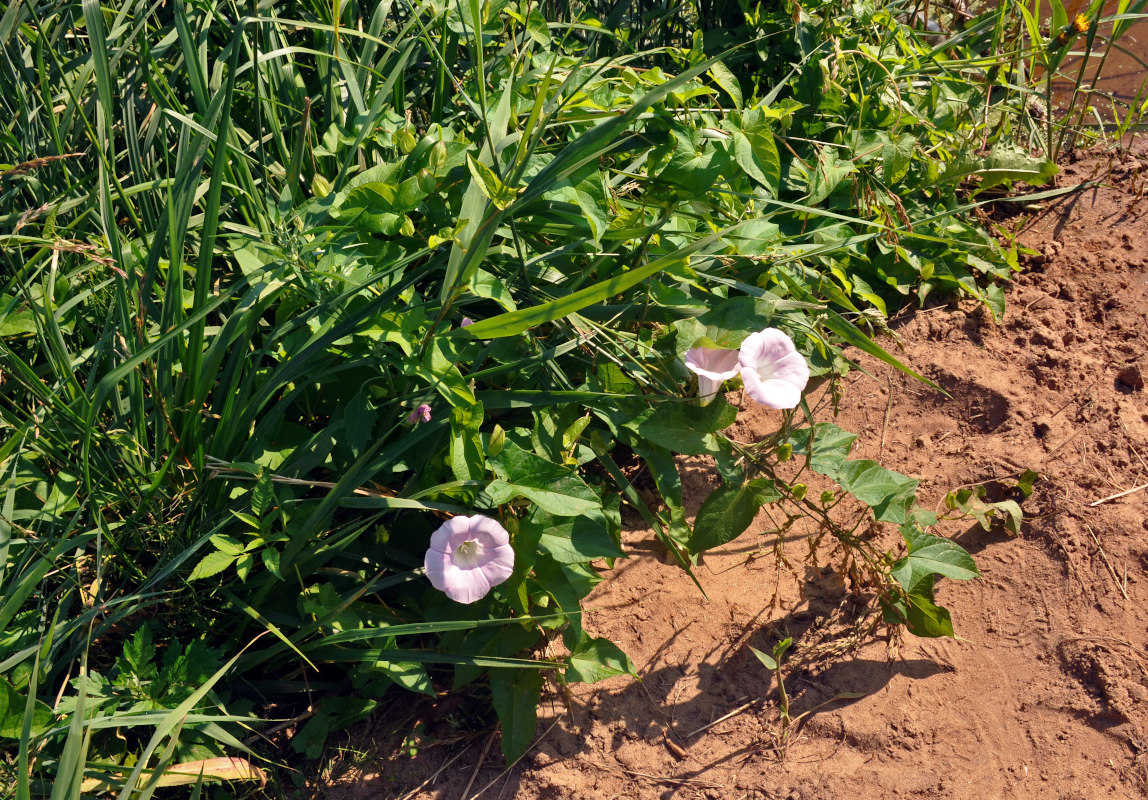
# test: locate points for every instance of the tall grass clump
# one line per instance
(287, 288)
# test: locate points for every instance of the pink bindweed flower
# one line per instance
(713, 368)
(773, 372)
(420, 414)
(465, 321)
(468, 556)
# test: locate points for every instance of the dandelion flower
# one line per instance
(773, 372)
(713, 368)
(420, 414)
(468, 556)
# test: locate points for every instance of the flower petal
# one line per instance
(465, 585)
(467, 578)
(773, 372)
(500, 565)
(712, 363)
(495, 534)
(436, 563)
(713, 368)
(773, 393)
(450, 534)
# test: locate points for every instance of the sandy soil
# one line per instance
(1045, 691)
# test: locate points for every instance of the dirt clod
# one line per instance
(1132, 376)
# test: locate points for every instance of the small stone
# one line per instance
(1132, 376)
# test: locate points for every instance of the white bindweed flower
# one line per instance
(469, 556)
(773, 372)
(713, 368)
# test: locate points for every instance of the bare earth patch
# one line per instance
(1045, 692)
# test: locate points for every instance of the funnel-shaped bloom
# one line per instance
(420, 414)
(773, 372)
(468, 556)
(713, 368)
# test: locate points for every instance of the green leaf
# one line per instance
(139, 651)
(515, 696)
(764, 168)
(555, 488)
(358, 424)
(995, 300)
(888, 493)
(466, 459)
(827, 175)
(685, 429)
(18, 323)
(727, 81)
(765, 659)
(1007, 164)
(729, 322)
(270, 558)
(566, 583)
(496, 192)
(927, 619)
(1059, 16)
(333, 713)
(407, 674)
(1014, 516)
(243, 565)
(570, 540)
(694, 167)
(370, 208)
(536, 27)
(831, 447)
(227, 544)
(929, 554)
(595, 659)
(263, 493)
(1026, 480)
(896, 156)
(212, 564)
(12, 709)
(728, 512)
(1004, 164)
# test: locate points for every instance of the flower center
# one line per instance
(468, 554)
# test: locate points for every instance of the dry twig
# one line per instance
(720, 719)
(1107, 563)
(1118, 495)
(478, 764)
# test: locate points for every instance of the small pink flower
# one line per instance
(465, 321)
(713, 368)
(773, 372)
(420, 414)
(468, 556)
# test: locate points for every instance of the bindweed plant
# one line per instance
(325, 329)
